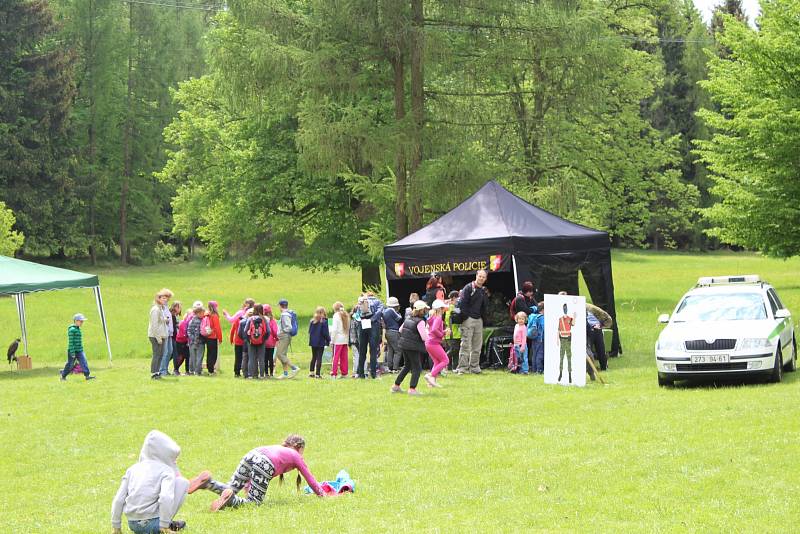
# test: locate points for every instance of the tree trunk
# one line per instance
(400, 207)
(128, 152)
(418, 114)
(371, 276)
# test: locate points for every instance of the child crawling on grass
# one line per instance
(254, 473)
(152, 489)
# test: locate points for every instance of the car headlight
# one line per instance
(755, 343)
(670, 344)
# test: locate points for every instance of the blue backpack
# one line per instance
(533, 326)
(293, 331)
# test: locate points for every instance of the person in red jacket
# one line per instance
(213, 338)
(238, 345)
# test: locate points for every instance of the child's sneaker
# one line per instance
(175, 526)
(90, 377)
(413, 392)
(199, 482)
(396, 389)
(224, 498)
(430, 380)
(294, 371)
(283, 377)
(310, 375)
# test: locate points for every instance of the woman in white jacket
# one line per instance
(158, 329)
(340, 332)
(152, 489)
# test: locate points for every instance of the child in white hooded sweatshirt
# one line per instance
(152, 490)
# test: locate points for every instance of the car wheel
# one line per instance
(777, 370)
(791, 367)
(665, 382)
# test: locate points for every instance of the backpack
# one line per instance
(456, 317)
(205, 326)
(512, 307)
(293, 331)
(241, 330)
(256, 333)
(533, 327)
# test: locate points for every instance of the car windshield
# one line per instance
(721, 307)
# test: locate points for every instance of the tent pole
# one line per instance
(516, 280)
(99, 299)
(20, 298)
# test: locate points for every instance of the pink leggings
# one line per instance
(439, 357)
(339, 361)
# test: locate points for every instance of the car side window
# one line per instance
(772, 292)
(772, 303)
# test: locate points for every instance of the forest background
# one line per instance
(313, 132)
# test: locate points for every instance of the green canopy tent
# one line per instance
(18, 277)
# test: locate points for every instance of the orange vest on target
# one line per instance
(564, 326)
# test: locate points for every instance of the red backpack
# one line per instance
(256, 331)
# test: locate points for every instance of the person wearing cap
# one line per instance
(454, 337)
(412, 341)
(158, 330)
(75, 348)
(392, 321)
(371, 317)
(284, 339)
(433, 343)
(196, 346)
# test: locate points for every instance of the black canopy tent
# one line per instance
(514, 241)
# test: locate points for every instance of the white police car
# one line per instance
(726, 326)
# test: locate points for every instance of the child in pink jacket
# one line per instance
(433, 344)
(255, 471)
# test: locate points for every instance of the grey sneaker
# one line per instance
(294, 372)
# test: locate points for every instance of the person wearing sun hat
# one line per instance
(412, 342)
(75, 348)
(433, 343)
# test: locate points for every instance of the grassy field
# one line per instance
(489, 453)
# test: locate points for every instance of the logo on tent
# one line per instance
(399, 269)
(495, 262)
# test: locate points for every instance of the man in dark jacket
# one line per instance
(474, 304)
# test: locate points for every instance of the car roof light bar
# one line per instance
(725, 280)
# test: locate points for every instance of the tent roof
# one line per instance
(494, 213)
(19, 276)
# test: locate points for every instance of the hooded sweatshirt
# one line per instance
(148, 487)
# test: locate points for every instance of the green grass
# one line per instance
(486, 453)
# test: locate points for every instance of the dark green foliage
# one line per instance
(36, 92)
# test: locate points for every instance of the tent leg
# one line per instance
(98, 297)
(20, 298)
(516, 279)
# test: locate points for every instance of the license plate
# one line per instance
(711, 358)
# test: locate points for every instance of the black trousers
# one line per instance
(369, 339)
(594, 337)
(212, 346)
(181, 355)
(269, 355)
(413, 364)
(316, 360)
(237, 359)
(453, 347)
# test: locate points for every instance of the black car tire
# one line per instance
(665, 382)
(777, 370)
(791, 367)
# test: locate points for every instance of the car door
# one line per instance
(784, 324)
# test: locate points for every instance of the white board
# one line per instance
(555, 359)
